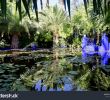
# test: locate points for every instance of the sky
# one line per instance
(53, 2)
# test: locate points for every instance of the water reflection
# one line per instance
(65, 84)
(91, 49)
(90, 76)
(62, 72)
(102, 56)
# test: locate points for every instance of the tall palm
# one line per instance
(53, 19)
(15, 25)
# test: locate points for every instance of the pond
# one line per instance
(54, 70)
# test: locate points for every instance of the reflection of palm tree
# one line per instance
(50, 75)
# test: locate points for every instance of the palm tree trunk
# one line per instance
(55, 40)
(15, 41)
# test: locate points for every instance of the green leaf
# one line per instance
(26, 7)
(105, 7)
(18, 7)
(85, 4)
(36, 8)
(64, 2)
(68, 4)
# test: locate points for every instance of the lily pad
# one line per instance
(73, 72)
(2, 71)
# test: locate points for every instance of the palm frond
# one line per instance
(36, 8)
(3, 7)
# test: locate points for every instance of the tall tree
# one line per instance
(53, 19)
(15, 25)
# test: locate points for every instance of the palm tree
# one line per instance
(15, 25)
(53, 19)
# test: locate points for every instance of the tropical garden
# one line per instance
(41, 45)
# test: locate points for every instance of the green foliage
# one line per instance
(19, 86)
(88, 21)
(107, 18)
(81, 20)
(52, 19)
(98, 12)
(43, 39)
(95, 80)
(46, 36)
(76, 43)
(100, 7)
(98, 22)
(7, 80)
(14, 23)
(66, 31)
(101, 80)
(19, 5)
(83, 81)
(26, 6)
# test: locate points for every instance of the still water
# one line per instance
(59, 70)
